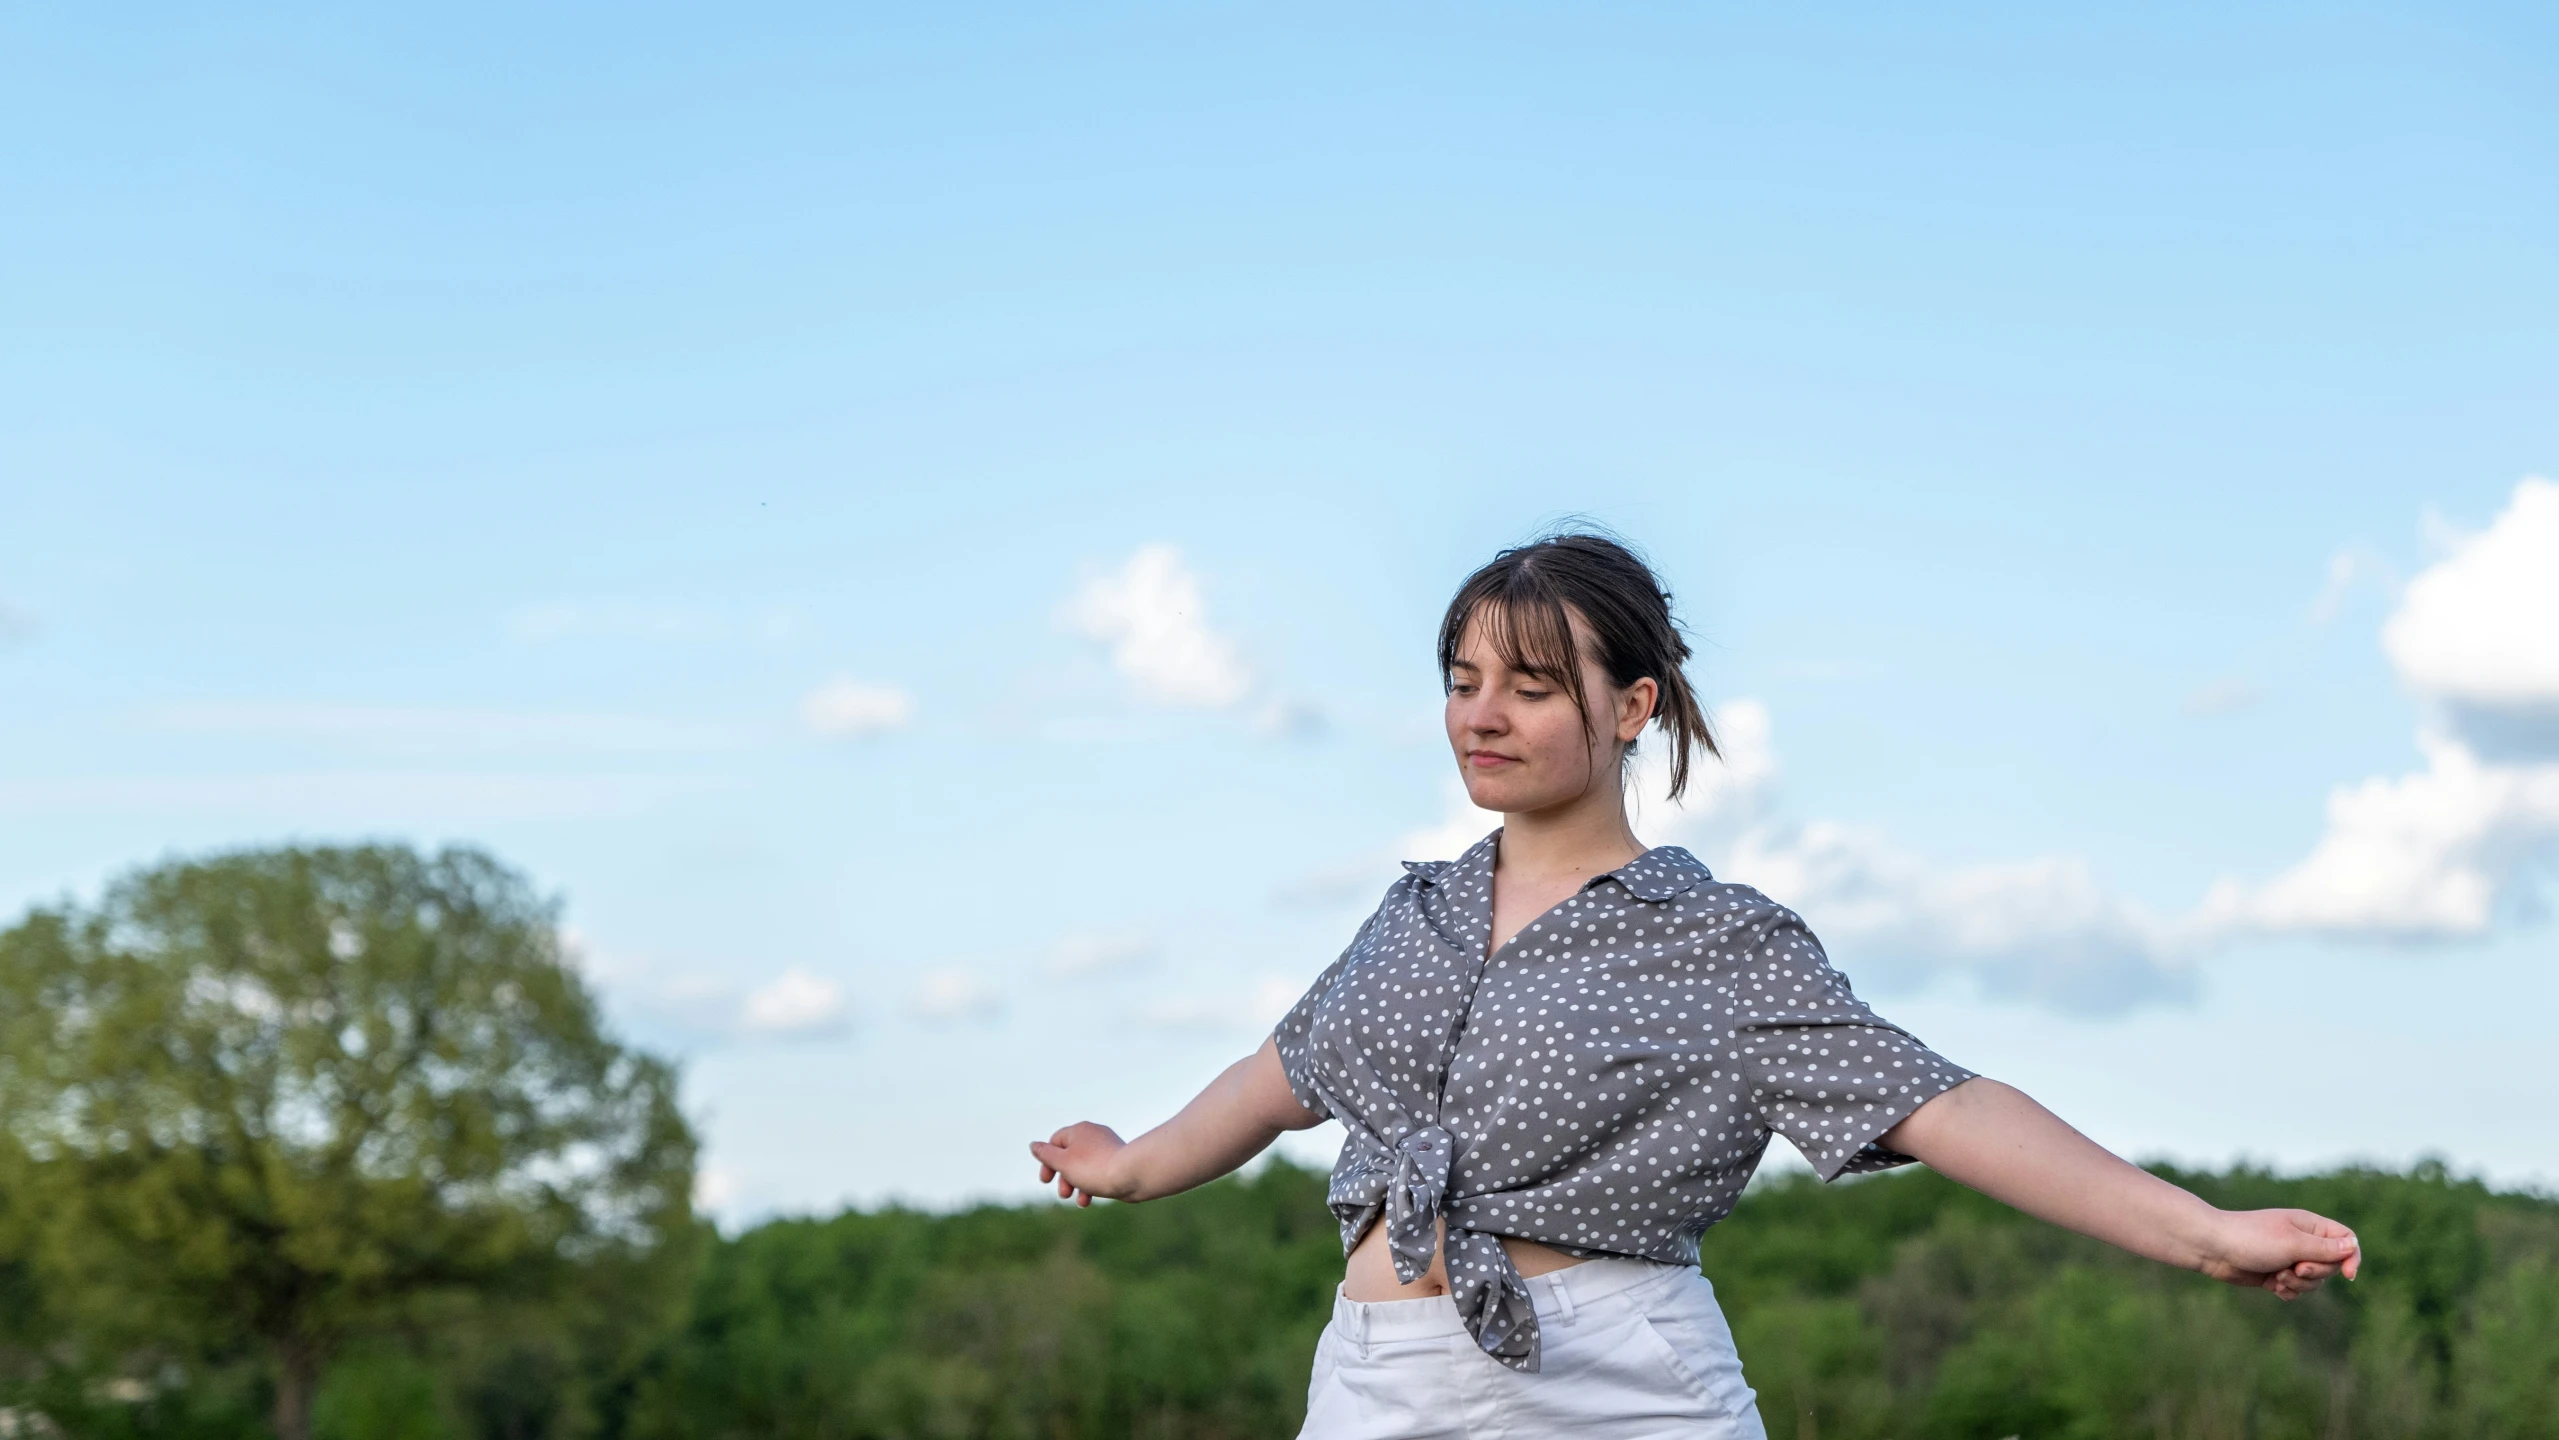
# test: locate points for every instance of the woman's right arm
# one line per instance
(1236, 1118)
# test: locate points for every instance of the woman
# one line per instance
(1559, 1057)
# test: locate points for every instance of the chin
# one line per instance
(1502, 799)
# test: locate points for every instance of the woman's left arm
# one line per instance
(1997, 1140)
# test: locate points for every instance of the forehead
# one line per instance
(1526, 637)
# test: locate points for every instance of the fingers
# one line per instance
(1049, 1170)
(2338, 1244)
(1051, 1160)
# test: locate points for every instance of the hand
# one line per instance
(1083, 1159)
(2287, 1251)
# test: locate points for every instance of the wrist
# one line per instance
(2204, 1238)
(1124, 1176)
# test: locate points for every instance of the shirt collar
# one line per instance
(1661, 872)
(1479, 854)
(1657, 874)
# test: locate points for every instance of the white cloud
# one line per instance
(2040, 929)
(1739, 789)
(2480, 628)
(2432, 854)
(845, 709)
(1150, 614)
(705, 1004)
(1077, 956)
(796, 1003)
(955, 994)
(1256, 1008)
(2423, 855)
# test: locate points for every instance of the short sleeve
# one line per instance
(1824, 1071)
(1292, 1034)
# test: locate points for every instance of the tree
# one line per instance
(289, 1098)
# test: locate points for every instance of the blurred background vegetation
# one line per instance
(328, 1142)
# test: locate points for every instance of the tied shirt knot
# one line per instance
(1404, 1188)
(1407, 1181)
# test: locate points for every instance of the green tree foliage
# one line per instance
(259, 1108)
(1986, 1324)
(1189, 1317)
(1900, 1307)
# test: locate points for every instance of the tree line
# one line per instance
(330, 1144)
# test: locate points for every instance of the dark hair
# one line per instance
(1533, 589)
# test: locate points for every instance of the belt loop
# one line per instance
(1563, 1297)
(1363, 1332)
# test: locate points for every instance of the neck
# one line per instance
(1587, 835)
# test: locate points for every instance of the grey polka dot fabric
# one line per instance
(1605, 1084)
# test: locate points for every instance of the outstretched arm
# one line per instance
(1236, 1118)
(1997, 1140)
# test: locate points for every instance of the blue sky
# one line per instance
(926, 530)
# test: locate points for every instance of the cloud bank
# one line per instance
(2438, 853)
(2039, 929)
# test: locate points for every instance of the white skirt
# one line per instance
(1631, 1350)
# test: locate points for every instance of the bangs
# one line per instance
(1524, 622)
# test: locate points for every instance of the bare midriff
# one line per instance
(1371, 1272)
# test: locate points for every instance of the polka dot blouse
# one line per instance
(1605, 1084)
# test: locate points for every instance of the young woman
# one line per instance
(1560, 1056)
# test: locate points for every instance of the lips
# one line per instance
(1487, 760)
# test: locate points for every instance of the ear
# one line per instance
(1635, 708)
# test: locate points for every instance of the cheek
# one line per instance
(1552, 732)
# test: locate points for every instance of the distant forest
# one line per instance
(1895, 1306)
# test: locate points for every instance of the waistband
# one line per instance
(1557, 1294)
